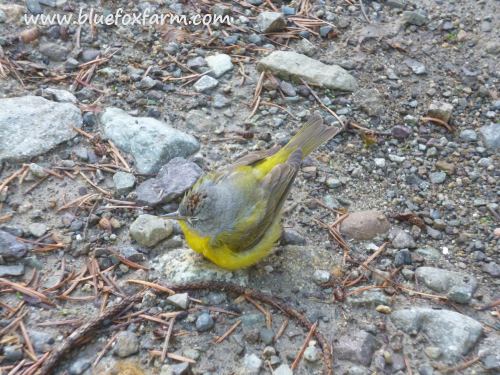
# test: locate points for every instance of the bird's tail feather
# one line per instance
(312, 135)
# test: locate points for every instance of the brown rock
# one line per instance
(365, 225)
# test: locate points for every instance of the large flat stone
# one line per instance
(151, 142)
(294, 66)
(32, 125)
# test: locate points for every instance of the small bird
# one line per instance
(233, 216)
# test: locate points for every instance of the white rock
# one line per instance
(219, 64)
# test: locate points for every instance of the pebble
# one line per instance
(411, 17)
(180, 300)
(12, 270)
(204, 322)
(37, 229)
(219, 64)
(124, 182)
(401, 239)
(54, 51)
(357, 347)
(440, 110)
(365, 225)
(269, 22)
(205, 83)
(383, 309)
(379, 162)
(148, 230)
(491, 135)
(321, 276)
(312, 353)
(292, 237)
(10, 247)
(251, 364)
(403, 257)
(435, 324)
(12, 353)
(126, 344)
(220, 101)
(172, 181)
(79, 366)
(437, 177)
(283, 369)
(266, 336)
(400, 132)
(492, 268)
(416, 66)
(333, 183)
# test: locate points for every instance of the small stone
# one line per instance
(403, 257)
(14, 270)
(379, 162)
(180, 368)
(440, 110)
(365, 225)
(458, 286)
(283, 369)
(491, 136)
(124, 182)
(148, 230)
(204, 322)
(292, 237)
(54, 51)
(402, 239)
(266, 336)
(400, 132)
(411, 17)
(287, 89)
(12, 353)
(357, 346)
(433, 352)
(220, 101)
(437, 177)
(180, 300)
(269, 22)
(251, 364)
(333, 183)
(196, 62)
(321, 277)
(37, 229)
(79, 366)
(219, 64)
(383, 309)
(417, 67)
(445, 166)
(312, 354)
(492, 268)
(126, 344)
(205, 83)
(370, 101)
(11, 247)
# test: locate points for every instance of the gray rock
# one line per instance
(402, 257)
(283, 369)
(196, 62)
(32, 125)
(269, 22)
(126, 344)
(251, 365)
(292, 237)
(357, 347)
(37, 229)
(13, 353)
(365, 225)
(53, 3)
(459, 287)
(205, 83)
(333, 183)
(79, 366)
(306, 47)
(489, 352)
(440, 110)
(11, 247)
(15, 270)
(379, 162)
(321, 276)
(490, 134)
(437, 177)
(357, 370)
(148, 230)
(172, 181)
(61, 96)
(400, 132)
(54, 51)
(204, 322)
(152, 143)
(219, 64)
(124, 182)
(287, 89)
(455, 334)
(3, 16)
(492, 268)
(185, 265)
(369, 298)
(468, 135)
(400, 4)
(291, 65)
(411, 17)
(370, 101)
(401, 239)
(312, 354)
(42, 341)
(180, 300)
(429, 253)
(220, 101)
(417, 67)
(180, 368)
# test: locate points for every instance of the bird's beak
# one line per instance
(175, 216)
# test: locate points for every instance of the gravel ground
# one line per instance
(104, 128)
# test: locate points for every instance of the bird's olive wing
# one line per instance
(251, 226)
(254, 157)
